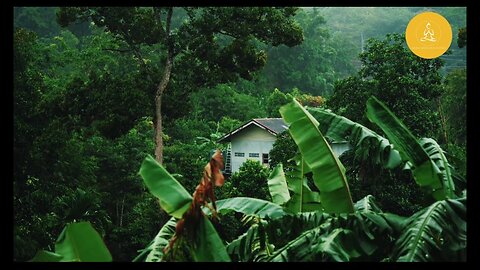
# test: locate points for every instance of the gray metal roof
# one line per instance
(277, 125)
(274, 126)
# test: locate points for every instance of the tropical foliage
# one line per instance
(85, 117)
(343, 231)
(78, 242)
(335, 230)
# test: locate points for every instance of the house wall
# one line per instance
(254, 139)
(339, 148)
(250, 140)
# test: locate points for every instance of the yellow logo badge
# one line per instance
(428, 35)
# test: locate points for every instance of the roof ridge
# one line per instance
(267, 124)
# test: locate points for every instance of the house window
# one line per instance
(265, 158)
(253, 155)
(238, 154)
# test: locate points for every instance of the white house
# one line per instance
(254, 140)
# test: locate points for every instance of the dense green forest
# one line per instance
(97, 90)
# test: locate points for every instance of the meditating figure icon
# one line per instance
(428, 34)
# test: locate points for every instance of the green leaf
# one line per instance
(277, 185)
(436, 233)
(313, 245)
(437, 155)
(155, 249)
(249, 206)
(328, 171)
(396, 222)
(281, 231)
(425, 171)
(367, 204)
(174, 199)
(209, 246)
(79, 242)
(303, 198)
(317, 236)
(396, 131)
(247, 245)
(46, 256)
(367, 143)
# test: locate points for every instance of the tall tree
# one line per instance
(215, 41)
(407, 83)
(312, 66)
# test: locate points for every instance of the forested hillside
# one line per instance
(89, 107)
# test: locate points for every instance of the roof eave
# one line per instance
(227, 136)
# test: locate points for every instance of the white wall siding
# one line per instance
(251, 140)
(339, 148)
(254, 139)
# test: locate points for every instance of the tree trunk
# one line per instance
(121, 212)
(158, 110)
(158, 130)
(117, 213)
(443, 120)
(160, 90)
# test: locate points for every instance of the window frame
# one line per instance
(253, 155)
(267, 157)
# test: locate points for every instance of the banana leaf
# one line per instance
(173, 197)
(438, 157)
(277, 185)
(367, 143)
(303, 199)
(154, 251)
(249, 206)
(436, 233)
(425, 171)
(328, 171)
(46, 256)
(209, 246)
(367, 204)
(80, 242)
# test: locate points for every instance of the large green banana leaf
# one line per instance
(277, 185)
(328, 172)
(316, 244)
(436, 233)
(281, 231)
(250, 245)
(154, 251)
(174, 199)
(249, 206)
(365, 235)
(254, 245)
(366, 143)
(367, 204)
(425, 171)
(360, 236)
(78, 242)
(46, 256)
(209, 246)
(438, 157)
(303, 199)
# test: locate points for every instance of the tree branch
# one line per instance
(229, 34)
(158, 17)
(117, 50)
(169, 20)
